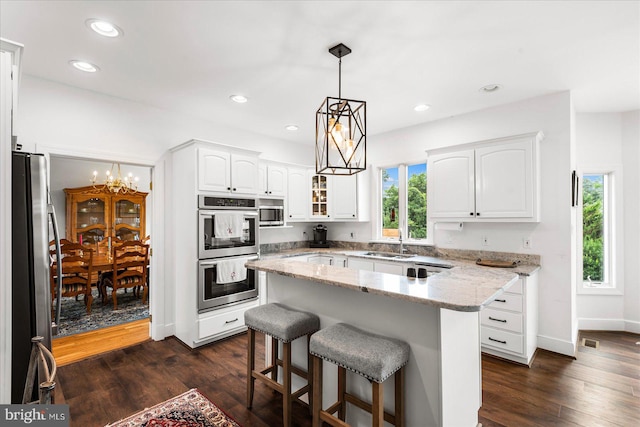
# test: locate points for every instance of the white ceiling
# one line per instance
(190, 56)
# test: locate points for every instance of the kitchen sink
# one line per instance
(388, 255)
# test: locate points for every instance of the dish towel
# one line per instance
(231, 271)
(228, 225)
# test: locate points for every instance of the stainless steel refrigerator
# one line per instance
(31, 293)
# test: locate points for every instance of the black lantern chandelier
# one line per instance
(341, 130)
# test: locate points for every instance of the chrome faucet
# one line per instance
(400, 239)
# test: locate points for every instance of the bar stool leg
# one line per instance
(286, 374)
(310, 376)
(342, 389)
(317, 391)
(274, 359)
(377, 409)
(251, 362)
(399, 397)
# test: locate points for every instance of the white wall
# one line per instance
(551, 238)
(610, 141)
(55, 115)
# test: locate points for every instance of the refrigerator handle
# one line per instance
(56, 236)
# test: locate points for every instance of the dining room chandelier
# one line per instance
(341, 130)
(116, 183)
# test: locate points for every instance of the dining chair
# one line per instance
(130, 261)
(77, 268)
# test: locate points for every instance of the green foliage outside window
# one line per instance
(416, 205)
(593, 228)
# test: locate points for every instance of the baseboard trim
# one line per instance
(607, 325)
(564, 347)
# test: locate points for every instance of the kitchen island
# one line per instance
(437, 316)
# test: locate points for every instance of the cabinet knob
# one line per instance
(229, 188)
(234, 189)
(290, 216)
(269, 192)
(266, 192)
(354, 215)
(471, 213)
(478, 214)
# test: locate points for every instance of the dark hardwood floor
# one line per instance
(600, 388)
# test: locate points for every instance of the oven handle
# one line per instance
(214, 261)
(209, 212)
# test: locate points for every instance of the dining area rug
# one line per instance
(190, 409)
(74, 318)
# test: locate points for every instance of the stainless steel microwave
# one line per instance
(271, 215)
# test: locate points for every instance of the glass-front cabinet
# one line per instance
(319, 196)
(93, 215)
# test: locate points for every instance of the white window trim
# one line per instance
(402, 207)
(614, 265)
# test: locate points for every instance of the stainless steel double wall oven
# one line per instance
(218, 251)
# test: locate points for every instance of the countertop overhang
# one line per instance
(464, 287)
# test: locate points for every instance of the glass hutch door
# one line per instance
(127, 217)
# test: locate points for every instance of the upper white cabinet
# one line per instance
(344, 197)
(272, 180)
(495, 180)
(298, 195)
(225, 172)
(327, 197)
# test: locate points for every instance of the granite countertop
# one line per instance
(522, 269)
(464, 287)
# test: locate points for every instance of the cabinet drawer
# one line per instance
(502, 340)
(501, 319)
(210, 325)
(508, 301)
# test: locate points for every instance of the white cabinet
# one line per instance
(344, 197)
(495, 180)
(510, 324)
(335, 260)
(272, 180)
(320, 259)
(225, 172)
(297, 195)
(360, 264)
(327, 197)
(396, 268)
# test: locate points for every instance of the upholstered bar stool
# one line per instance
(284, 324)
(373, 356)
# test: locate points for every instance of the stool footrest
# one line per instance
(354, 400)
(330, 419)
(294, 369)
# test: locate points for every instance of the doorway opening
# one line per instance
(99, 218)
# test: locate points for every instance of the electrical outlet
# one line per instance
(485, 241)
(526, 243)
(353, 235)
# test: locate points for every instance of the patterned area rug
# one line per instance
(74, 318)
(190, 409)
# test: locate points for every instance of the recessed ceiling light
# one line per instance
(421, 107)
(104, 28)
(291, 127)
(490, 88)
(85, 66)
(240, 99)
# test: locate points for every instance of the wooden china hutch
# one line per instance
(97, 214)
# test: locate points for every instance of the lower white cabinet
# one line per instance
(510, 323)
(223, 322)
(360, 264)
(336, 260)
(390, 267)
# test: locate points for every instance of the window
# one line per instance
(403, 202)
(597, 230)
